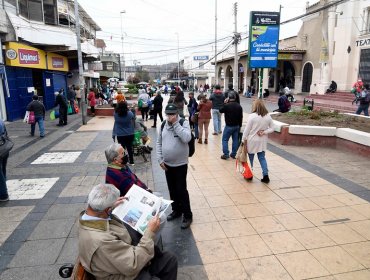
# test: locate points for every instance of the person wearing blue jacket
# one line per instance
(124, 128)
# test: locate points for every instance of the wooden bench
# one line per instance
(75, 272)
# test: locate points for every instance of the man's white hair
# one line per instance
(112, 152)
(102, 196)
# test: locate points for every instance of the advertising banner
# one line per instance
(263, 39)
(57, 62)
(24, 56)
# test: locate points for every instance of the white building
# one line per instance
(199, 67)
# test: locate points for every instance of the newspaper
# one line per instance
(140, 207)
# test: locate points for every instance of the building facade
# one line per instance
(39, 50)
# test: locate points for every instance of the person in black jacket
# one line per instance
(38, 109)
(157, 108)
(230, 90)
(217, 98)
(63, 106)
(233, 119)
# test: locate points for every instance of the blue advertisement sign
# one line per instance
(263, 39)
(201, 57)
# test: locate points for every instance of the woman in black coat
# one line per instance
(157, 104)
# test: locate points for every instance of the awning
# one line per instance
(43, 34)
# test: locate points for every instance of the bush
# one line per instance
(133, 91)
(315, 115)
(130, 86)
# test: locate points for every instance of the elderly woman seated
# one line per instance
(118, 173)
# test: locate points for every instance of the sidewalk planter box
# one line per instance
(331, 137)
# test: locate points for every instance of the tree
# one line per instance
(142, 75)
(183, 73)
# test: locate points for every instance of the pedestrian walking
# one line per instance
(180, 103)
(63, 107)
(157, 108)
(78, 95)
(92, 101)
(124, 128)
(71, 96)
(231, 89)
(204, 118)
(143, 102)
(364, 101)
(4, 196)
(173, 156)
(38, 109)
(217, 98)
(259, 125)
(233, 120)
(193, 114)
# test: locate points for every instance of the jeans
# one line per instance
(40, 121)
(196, 130)
(216, 116)
(363, 107)
(262, 160)
(203, 123)
(230, 131)
(3, 188)
(176, 182)
(144, 113)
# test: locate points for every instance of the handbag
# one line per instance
(76, 108)
(244, 169)
(26, 116)
(5, 144)
(241, 155)
(69, 110)
(194, 118)
(31, 118)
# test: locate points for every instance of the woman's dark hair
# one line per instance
(122, 109)
(179, 97)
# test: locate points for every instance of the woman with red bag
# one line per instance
(259, 124)
(204, 118)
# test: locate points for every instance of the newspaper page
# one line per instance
(140, 207)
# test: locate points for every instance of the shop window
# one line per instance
(23, 8)
(35, 10)
(364, 69)
(50, 12)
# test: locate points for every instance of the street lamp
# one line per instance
(123, 54)
(178, 58)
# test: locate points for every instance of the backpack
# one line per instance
(191, 142)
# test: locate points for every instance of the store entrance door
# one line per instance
(38, 83)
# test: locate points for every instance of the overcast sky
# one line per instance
(149, 26)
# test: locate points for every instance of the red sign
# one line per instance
(57, 62)
(28, 56)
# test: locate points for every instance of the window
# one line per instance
(35, 10)
(201, 65)
(23, 8)
(50, 12)
(367, 27)
(31, 9)
(364, 69)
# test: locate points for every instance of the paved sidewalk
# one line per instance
(305, 224)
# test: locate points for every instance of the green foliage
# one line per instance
(130, 86)
(133, 91)
(315, 115)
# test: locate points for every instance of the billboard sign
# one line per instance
(263, 39)
(201, 57)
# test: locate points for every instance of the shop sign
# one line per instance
(263, 39)
(201, 57)
(57, 62)
(21, 55)
(290, 56)
(363, 42)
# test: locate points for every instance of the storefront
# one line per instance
(364, 66)
(32, 71)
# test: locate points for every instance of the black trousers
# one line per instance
(176, 182)
(144, 113)
(126, 143)
(163, 266)
(159, 113)
(62, 115)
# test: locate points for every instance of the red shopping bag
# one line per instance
(244, 169)
(31, 118)
(76, 108)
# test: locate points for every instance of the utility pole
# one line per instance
(80, 69)
(236, 58)
(123, 54)
(216, 78)
(178, 58)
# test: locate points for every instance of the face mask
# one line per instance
(125, 159)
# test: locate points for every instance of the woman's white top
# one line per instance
(255, 123)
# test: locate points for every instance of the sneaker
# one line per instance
(154, 126)
(186, 222)
(265, 179)
(4, 199)
(220, 132)
(224, 157)
(214, 133)
(205, 141)
(131, 164)
(174, 215)
(232, 156)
